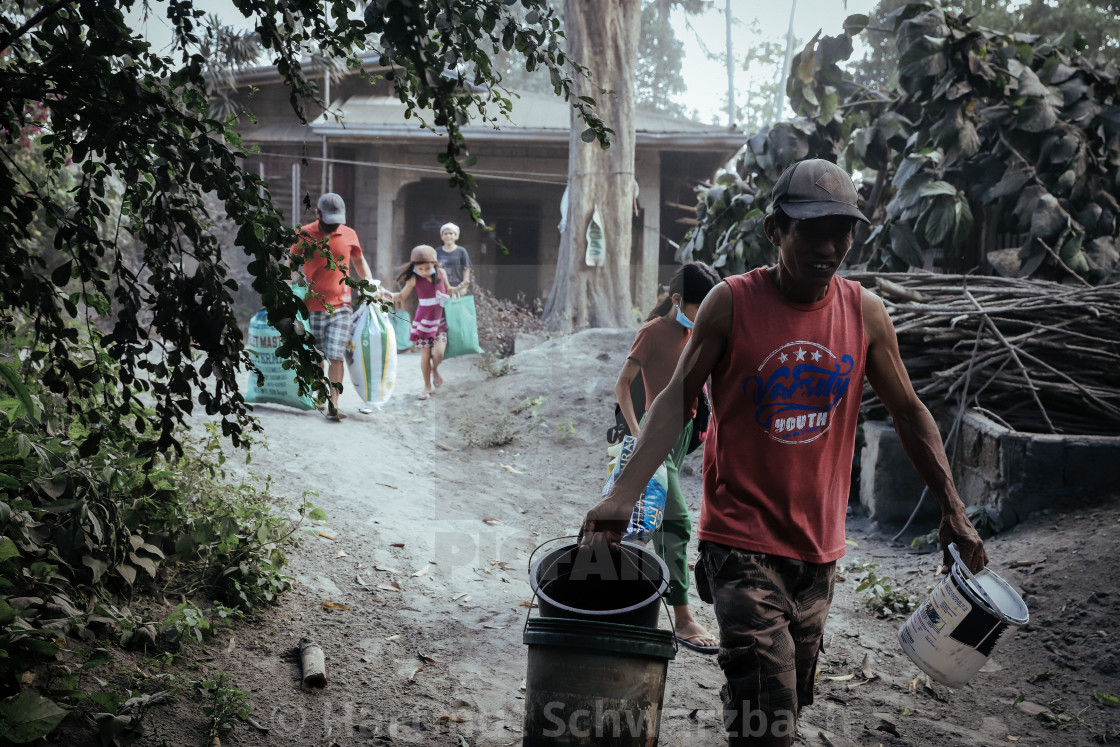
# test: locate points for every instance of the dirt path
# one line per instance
(431, 540)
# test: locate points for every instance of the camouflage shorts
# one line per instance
(771, 613)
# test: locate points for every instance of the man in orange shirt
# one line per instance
(328, 302)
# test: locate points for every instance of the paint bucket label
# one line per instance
(945, 607)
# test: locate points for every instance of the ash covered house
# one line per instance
(397, 196)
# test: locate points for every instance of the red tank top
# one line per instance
(785, 403)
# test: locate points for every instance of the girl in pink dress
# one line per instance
(429, 327)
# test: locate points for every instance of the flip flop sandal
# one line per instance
(688, 643)
(424, 395)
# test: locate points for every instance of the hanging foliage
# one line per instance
(998, 151)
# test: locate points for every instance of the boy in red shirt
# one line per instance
(653, 356)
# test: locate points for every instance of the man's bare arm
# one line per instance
(666, 417)
(362, 267)
(918, 432)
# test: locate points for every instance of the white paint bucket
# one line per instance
(951, 636)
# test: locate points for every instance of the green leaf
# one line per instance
(128, 573)
(905, 245)
(1036, 115)
(61, 275)
(42, 648)
(108, 701)
(923, 59)
(146, 563)
(1030, 85)
(97, 658)
(855, 23)
(11, 376)
(964, 220)
(317, 514)
(1107, 699)
(938, 188)
(97, 566)
(7, 613)
(910, 165)
(828, 107)
(968, 140)
(1012, 181)
(588, 135)
(1048, 219)
(1070, 248)
(29, 716)
(941, 220)
(8, 549)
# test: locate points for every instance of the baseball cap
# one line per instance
(815, 188)
(332, 208)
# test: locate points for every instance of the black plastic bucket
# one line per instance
(624, 588)
(594, 683)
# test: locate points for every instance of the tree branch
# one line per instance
(34, 21)
(1011, 351)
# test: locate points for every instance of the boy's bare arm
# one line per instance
(626, 376)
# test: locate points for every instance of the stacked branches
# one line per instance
(1035, 356)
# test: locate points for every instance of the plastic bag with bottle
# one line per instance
(649, 510)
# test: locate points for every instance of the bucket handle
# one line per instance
(968, 575)
(664, 603)
(534, 552)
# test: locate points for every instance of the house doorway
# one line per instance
(509, 263)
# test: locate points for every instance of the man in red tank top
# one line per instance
(786, 348)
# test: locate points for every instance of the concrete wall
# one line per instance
(1013, 472)
(1021, 473)
(889, 487)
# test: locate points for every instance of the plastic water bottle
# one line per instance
(650, 508)
(620, 454)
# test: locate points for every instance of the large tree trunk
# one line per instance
(603, 35)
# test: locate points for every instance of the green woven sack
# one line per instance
(279, 386)
(462, 327)
(402, 327)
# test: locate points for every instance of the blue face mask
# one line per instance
(433, 272)
(684, 320)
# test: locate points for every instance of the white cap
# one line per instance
(452, 226)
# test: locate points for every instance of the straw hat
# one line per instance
(423, 253)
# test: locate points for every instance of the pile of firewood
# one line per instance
(1035, 356)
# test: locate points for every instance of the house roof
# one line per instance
(534, 118)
